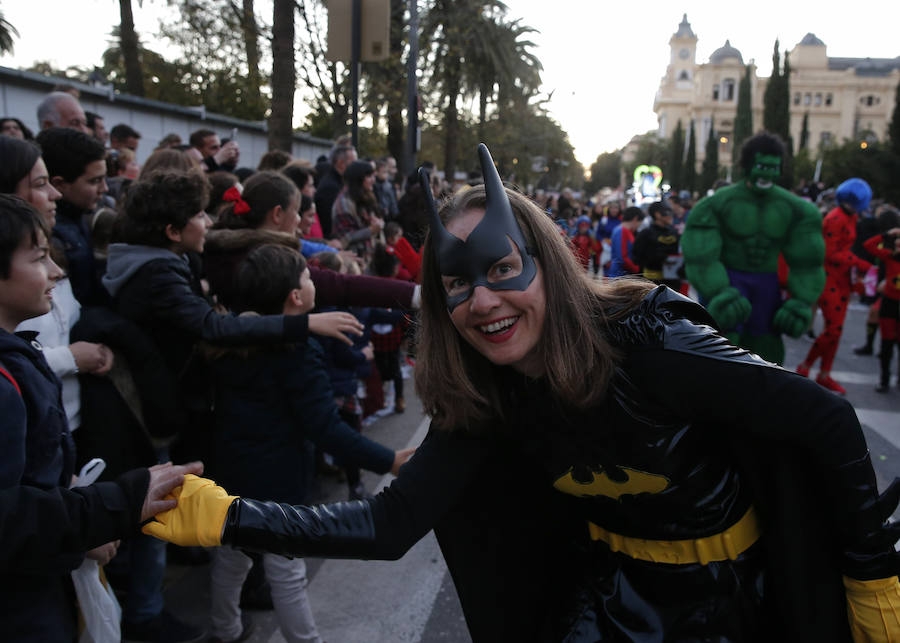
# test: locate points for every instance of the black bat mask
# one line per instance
(471, 260)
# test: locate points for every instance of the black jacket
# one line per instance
(722, 427)
(288, 392)
(326, 194)
(39, 525)
(72, 235)
(36, 450)
(158, 291)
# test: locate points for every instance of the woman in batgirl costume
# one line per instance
(578, 490)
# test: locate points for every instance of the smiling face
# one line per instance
(306, 221)
(32, 275)
(192, 237)
(765, 171)
(503, 325)
(36, 188)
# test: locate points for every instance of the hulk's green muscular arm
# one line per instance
(804, 253)
(701, 246)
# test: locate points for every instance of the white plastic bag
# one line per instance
(101, 611)
(99, 607)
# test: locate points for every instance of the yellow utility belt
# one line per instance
(727, 545)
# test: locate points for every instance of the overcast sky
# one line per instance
(602, 59)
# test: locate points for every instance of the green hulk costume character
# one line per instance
(731, 246)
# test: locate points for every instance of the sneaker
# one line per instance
(830, 384)
(803, 370)
(863, 350)
(164, 628)
(882, 388)
(247, 628)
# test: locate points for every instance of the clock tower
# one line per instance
(683, 52)
(676, 90)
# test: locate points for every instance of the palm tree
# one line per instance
(450, 29)
(284, 76)
(7, 31)
(134, 75)
(500, 59)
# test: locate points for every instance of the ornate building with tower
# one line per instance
(845, 98)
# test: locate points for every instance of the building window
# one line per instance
(728, 90)
(869, 100)
(828, 99)
(715, 92)
(796, 98)
(825, 139)
(818, 102)
(684, 75)
(807, 99)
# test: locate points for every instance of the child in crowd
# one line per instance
(348, 367)
(622, 242)
(886, 247)
(583, 242)
(388, 331)
(285, 389)
(36, 447)
(153, 278)
(410, 258)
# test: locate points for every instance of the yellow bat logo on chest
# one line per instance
(602, 485)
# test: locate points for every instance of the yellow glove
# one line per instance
(873, 608)
(199, 517)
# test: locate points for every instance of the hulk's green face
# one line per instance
(765, 171)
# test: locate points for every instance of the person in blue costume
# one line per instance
(577, 490)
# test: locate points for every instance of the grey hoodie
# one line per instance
(125, 259)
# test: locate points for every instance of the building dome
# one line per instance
(724, 52)
(810, 39)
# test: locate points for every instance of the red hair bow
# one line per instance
(240, 206)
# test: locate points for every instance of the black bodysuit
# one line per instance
(693, 432)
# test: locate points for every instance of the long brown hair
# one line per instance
(459, 387)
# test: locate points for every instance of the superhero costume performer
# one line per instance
(731, 245)
(887, 248)
(635, 506)
(852, 196)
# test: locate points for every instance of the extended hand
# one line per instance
(336, 324)
(400, 458)
(104, 553)
(163, 479)
(199, 517)
(792, 318)
(729, 308)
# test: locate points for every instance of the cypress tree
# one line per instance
(770, 96)
(743, 122)
(710, 171)
(894, 128)
(804, 133)
(690, 162)
(676, 157)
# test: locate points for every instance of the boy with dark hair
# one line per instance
(287, 390)
(655, 244)
(76, 164)
(622, 242)
(36, 448)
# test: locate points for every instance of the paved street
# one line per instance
(413, 600)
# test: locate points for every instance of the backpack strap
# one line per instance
(5, 373)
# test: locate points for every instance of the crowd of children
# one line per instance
(173, 322)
